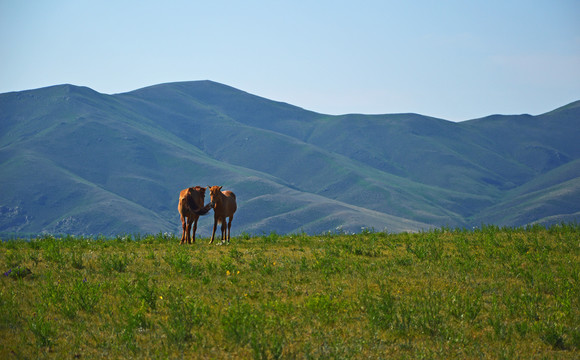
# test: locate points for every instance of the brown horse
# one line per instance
(224, 205)
(190, 208)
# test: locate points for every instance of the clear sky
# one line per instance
(455, 60)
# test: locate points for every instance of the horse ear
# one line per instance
(220, 188)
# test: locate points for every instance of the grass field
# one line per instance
(485, 293)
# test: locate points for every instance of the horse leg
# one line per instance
(230, 227)
(194, 229)
(189, 222)
(215, 221)
(223, 230)
(184, 226)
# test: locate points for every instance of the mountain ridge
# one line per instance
(132, 152)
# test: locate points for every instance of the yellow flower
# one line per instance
(161, 297)
(228, 273)
(238, 272)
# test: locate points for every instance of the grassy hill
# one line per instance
(446, 294)
(76, 161)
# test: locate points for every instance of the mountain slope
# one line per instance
(76, 161)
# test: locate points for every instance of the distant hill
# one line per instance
(75, 161)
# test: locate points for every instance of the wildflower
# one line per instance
(238, 272)
(7, 273)
(160, 297)
(228, 273)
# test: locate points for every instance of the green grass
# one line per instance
(487, 293)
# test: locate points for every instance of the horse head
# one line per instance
(214, 192)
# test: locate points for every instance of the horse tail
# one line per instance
(204, 210)
(194, 209)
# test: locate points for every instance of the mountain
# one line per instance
(75, 161)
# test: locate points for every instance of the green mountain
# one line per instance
(76, 161)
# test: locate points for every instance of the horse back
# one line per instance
(229, 194)
(230, 201)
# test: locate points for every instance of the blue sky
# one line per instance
(455, 60)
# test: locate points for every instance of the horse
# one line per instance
(224, 205)
(190, 208)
